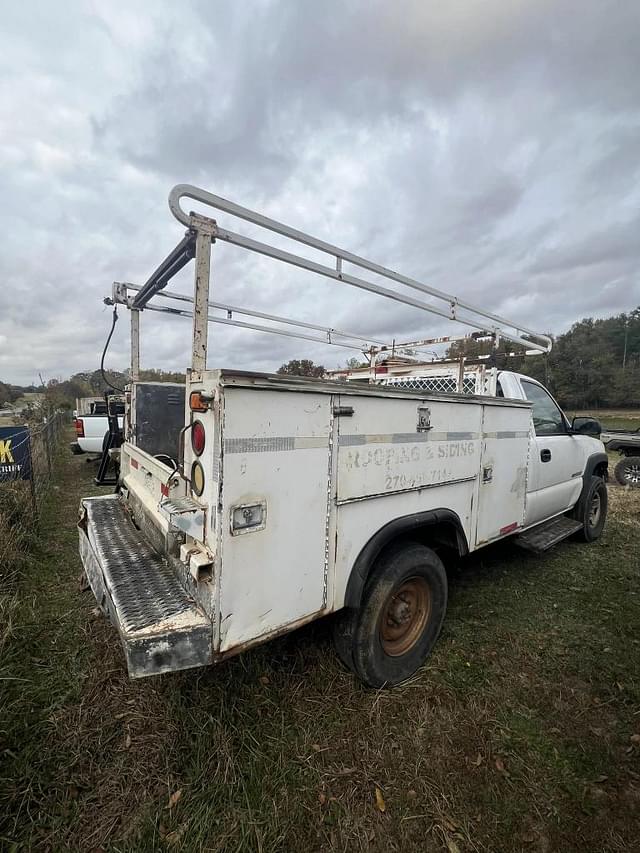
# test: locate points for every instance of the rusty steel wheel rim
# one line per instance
(404, 616)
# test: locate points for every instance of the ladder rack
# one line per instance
(203, 231)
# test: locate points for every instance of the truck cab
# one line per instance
(559, 452)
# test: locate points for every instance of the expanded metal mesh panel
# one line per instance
(444, 383)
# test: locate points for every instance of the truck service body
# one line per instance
(256, 503)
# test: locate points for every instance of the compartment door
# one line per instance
(503, 471)
(277, 449)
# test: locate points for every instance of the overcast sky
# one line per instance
(491, 149)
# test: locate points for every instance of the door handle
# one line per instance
(342, 411)
(545, 455)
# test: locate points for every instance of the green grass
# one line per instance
(515, 736)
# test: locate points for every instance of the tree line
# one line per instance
(596, 364)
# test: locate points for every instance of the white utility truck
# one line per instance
(251, 504)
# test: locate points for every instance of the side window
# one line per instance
(547, 417)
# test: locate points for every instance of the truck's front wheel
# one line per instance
(400, 617)
(594, 510)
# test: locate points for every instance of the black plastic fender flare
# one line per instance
(392, 530)
(594, 461)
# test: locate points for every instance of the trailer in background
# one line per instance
(627, 444)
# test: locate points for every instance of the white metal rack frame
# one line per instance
(203, 231)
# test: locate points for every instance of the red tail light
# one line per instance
(197, 437)
(79, 427)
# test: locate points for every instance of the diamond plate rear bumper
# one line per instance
(161, 627)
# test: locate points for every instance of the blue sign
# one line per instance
(15, 453)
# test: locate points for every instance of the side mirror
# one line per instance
(586, 426)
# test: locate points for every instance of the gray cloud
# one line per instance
(490, 149)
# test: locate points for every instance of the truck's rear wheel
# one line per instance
(594, 510)
(400, 617)
(627, 471)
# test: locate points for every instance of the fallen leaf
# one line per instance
(499, 764)
(635, 738)
(264, 679)
(380, 803)
(452, 846)
(412, 795)
(601, 779)
(173, 799)
(127, 741)
(478, 761)
(322, 798)
(316, 747)
(175, 836)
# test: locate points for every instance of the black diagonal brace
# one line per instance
(172, 264)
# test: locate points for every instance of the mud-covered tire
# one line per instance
(594, 510)
(393, 632)
(627, 471)
(342, 628)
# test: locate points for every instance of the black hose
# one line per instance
(104, 352)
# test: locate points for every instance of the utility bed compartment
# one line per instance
(259, 528)
(161, 627)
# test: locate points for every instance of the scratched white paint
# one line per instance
(499, 503)
(275, 575)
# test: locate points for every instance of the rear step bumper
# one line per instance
(161, 627)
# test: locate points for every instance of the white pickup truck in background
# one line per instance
(249, 504)
(92, 428)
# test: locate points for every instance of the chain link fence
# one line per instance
(22, 492)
